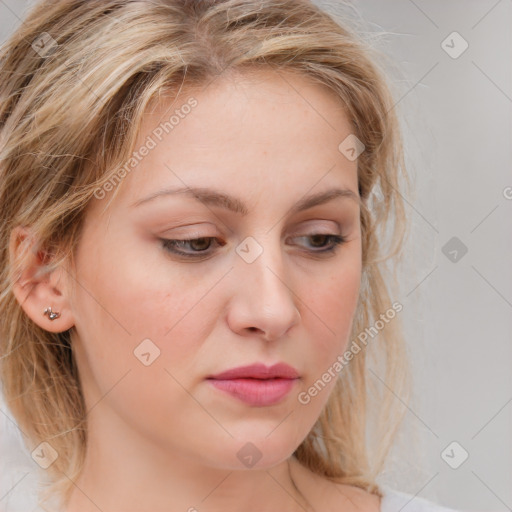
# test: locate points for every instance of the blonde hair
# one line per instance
(68, 122)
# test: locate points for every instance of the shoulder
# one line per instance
(393, 501)
(334, 496)
(353, 499)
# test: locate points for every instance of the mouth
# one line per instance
(259, 371)
(256, 392)
(257, 384)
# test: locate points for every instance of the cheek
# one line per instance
(124, 298)
(333, 303)
(330, 307)
(125, 305)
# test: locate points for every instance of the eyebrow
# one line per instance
(213, 197)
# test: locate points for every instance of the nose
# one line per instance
(263, 299)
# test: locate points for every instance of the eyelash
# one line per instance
(337, 240)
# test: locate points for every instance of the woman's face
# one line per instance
(151, 325)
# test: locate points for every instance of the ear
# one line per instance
(35, 290)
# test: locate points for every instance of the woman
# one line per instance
(193, 199)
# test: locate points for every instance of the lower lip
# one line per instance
(254, 391)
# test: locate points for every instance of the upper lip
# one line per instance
(258, 371)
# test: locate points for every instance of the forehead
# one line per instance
(264, 94)
(261, 127)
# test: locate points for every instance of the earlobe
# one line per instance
(42, 295)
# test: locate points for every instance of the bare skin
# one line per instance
(327, 496)
(161, 434)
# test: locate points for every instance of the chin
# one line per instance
(258, 451)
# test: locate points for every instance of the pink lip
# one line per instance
(257, 384)
(258, 371)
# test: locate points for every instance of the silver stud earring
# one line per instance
(52, 315)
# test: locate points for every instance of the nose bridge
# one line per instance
(263, 266)
(263, 286)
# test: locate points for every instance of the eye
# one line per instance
(200, 246)
(318, 238)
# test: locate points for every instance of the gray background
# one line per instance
(456, 118)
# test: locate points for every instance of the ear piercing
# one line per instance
(52, 315)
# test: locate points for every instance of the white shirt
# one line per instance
(397, 501)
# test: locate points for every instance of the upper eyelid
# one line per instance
(187, 237)
(302, 225)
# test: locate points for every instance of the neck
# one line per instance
(125, 472)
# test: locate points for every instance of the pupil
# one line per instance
(318, 239)
(198, 242)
